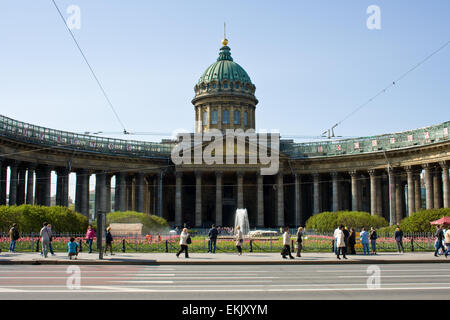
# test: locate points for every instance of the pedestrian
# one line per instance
(184, 243)
(286, 244)
(14, 235)
(90, 235)
(340, 242)
(373, 239)
(346, 237)
(364, 236)
(439, 238)
(398, 235)
(50, 247)
(45, 235)
(239, 239)
(73, 248)
(335, 235)
(212, 234)
(109, 240)
(352, 241)
(447, 241)
(299, 241)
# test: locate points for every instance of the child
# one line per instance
(73, 248)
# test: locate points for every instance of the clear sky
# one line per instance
(312, 62)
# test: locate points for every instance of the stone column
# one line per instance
(399, 196)
(30, 185)
(219, 202)
(13, 184)
(316, 193)
(445, 184)
(355, 191)
(428, 186)
(62, 187)
(43, 183)
(417, 192)
(160, 194)
(336, 191)
(379, 197)
(373, 191)
(178, 198)
(198, 199)
(260, 199)
(411, 194)
(240, 190)
(280, 199)
(392, 204)
(437, 188)
(139, 192)
(3, 179)
(120, 192)
(298, 199)
(21, 185)
(108, 192)
(100, 193)
(129, 192)
(78, 191)
(85, 196)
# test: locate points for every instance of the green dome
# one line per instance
(225, 69)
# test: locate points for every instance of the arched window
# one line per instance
(237, 117)
(245, 118)
(225, 85)
(214, 117)
(226, 117)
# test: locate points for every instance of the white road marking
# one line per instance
(403, 276)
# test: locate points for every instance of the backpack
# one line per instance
(16, 235)
(188, 240)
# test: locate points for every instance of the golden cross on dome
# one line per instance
(224, 41)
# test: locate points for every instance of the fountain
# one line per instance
(241, 219)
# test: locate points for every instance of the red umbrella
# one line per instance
(443, 220)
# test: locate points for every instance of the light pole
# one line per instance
(100, 226)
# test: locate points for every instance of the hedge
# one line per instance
(150, 223)
(30, 218)
(328, 221)
(420, 221)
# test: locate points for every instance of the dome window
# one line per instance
(245, 118)
(214, 85)
(237, 86)
(214, 117)
(226, 117)
(237, 117)
(225, 85)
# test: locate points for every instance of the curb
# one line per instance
(270, 262)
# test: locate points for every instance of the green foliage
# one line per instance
(150, 223)
(328, 221)
(30, 218)
(420, 221)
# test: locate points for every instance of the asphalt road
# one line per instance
(220, 282)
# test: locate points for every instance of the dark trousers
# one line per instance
(400, 246)
(352, 248)
(108, 245)
(212, 245)
(440, 245)
(185, 249)
(286, 251)
(341, 250)
(299, 249)
(239, 248)
(90, 245)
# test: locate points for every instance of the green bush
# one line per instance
(30, 218)
(328, 221)
(420, 221)
(150, 223)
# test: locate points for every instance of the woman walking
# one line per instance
(299, 241)
(352, 241)
(239, 239)
(340, 242)
(373, 239)
(183, 243)
(109, 240)
(90, 235)
(398, 235)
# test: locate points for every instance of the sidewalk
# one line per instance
(7, 258)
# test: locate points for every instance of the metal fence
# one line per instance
(312, 242)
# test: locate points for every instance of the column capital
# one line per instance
(334, 174)
(427, 166)
(444, 165)
(219, 174)
(179, 174)
(409, 169)
(315, 175)
(62, 171)
(198, 173)
(372, 172)
(240, 174)
(353, 173)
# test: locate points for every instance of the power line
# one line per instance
(392, 84)
(90, 68)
